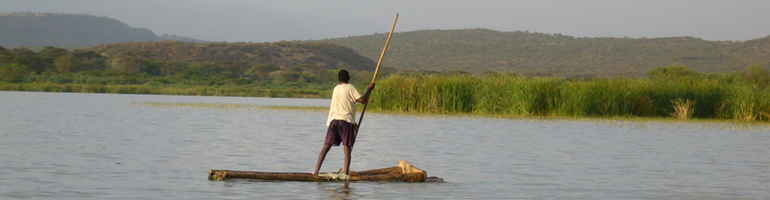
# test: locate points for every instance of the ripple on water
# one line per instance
(72, 144)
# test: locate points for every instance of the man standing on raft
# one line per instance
(341, 120)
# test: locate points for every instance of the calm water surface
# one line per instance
(103, 146)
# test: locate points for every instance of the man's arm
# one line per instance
(365, 97)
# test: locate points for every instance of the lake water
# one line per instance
(104, 146)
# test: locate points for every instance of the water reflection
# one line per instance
(337, 190)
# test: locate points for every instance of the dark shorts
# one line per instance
(340, 131)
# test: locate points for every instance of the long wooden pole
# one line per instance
(375, 72)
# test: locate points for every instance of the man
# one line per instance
(341, 120)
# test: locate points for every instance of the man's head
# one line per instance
(343, 76)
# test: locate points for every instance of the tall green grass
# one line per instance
(429, 93)
(511, 95)
(749, 103)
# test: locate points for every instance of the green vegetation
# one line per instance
(664, 93)
(481, 50)
(281, 69)
(308, 70)
(231, 59)
(243, 91)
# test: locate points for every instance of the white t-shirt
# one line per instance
(343, 103)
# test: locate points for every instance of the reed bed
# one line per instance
(511, 95)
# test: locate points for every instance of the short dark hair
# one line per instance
(343, 76)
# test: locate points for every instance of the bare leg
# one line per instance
(348, 150)
(321, 158)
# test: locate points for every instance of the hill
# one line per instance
(285, 55)
(73, 30)
(481, 50)
(274, 65)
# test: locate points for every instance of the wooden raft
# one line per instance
(405, 171)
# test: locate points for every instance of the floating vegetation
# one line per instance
(198, 105)
(298, 108)
(229, 106)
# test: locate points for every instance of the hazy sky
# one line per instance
(273, 20)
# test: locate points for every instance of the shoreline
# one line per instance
(224, 91)
(241, 91)
(721, 123)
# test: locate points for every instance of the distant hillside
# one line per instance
(45, 29)
(279, 64)
(282, 54)
(167, 37)
(480, 50)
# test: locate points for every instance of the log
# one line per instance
(284, 176)
(403, 172)
(389, 170)
(370, 175)
(408, 177)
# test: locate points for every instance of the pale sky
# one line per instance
(275, 20)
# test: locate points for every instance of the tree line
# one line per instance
(280, 63)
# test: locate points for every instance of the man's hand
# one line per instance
(365, 98)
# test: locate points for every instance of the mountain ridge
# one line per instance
(481, 50)
(27, 29)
